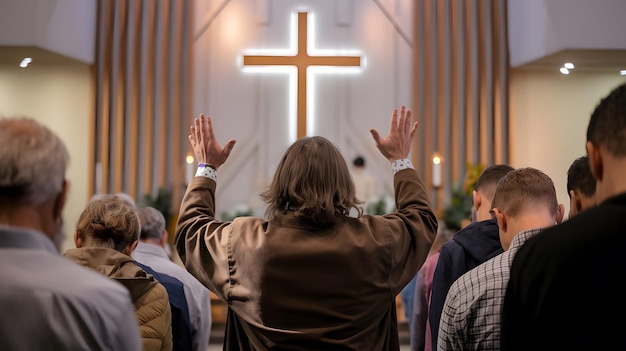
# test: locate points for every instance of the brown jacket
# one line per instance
(293, 286)
(149, 297)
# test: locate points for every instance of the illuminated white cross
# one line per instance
(301, 60)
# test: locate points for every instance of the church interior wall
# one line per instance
(252, 107)
(549, 114)
(60, 97)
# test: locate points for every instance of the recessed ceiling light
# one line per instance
(25, 62)
(569, 65)
(564, 70)
(622, 72)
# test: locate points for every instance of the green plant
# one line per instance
(460, 207)
(162, 202)
(383, 205)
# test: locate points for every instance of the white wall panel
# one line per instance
(254, 108)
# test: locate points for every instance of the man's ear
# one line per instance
(595, 160)
(59, 201)
(577, 201)
(501, 219)
(78, 242)
(560, 213)
(476, 200)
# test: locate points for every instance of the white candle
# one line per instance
(188, 169)
(436, 171)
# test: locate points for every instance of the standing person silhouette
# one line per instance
(364, 182)
(311, 276)
(545, 307)
(47, 301)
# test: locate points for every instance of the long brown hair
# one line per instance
(313, 181)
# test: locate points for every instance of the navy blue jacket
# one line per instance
(469, 247)
(181, 324)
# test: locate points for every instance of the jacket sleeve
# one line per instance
(410, 230)
(200, 239)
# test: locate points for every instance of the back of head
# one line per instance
(152, 223)
(33, 161)
(607, 126)
(523, 189)
(313, 181)
(108, 222)
(486, 183)
(125, 197)
(580, 178)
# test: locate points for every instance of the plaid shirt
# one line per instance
(471, 315)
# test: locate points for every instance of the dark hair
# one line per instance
(579, 177)
(489, 178)
(525, 187)
(607, 125)
(313, 181)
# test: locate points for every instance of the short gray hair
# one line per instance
(33, 161)
(152, 222)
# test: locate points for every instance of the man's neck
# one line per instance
(24, 217)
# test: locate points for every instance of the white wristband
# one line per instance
(400, 164)
(207, 171)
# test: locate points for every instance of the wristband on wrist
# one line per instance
(400, 164)
(208, 171)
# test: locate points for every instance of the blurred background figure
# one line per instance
(364, 182)
(106, 234)
(48, 302)
(581, 186)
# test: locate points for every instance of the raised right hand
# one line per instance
(397, 143)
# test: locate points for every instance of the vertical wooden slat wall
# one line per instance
(460, 88)
(143, 96)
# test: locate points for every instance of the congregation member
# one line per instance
(581, 186)
(469, 247)
(524, 204)
(310, 277)
(47, 301)
(151, 252)
(565, 290)
(106, 234)
(418, 326)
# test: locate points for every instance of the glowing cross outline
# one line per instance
(302, 60)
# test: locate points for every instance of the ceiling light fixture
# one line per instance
(564, 70)
(25, 62)
(569, 65)
(622, 72)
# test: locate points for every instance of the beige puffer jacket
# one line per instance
(152, 306)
